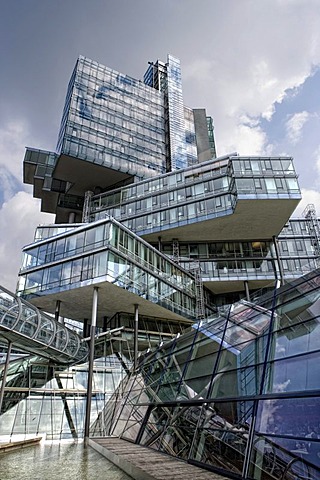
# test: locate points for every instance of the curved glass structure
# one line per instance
(34, 331)
(238, 394)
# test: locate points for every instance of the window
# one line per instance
(270, 184)
(189, 192)
(292, 184)
(181, 212)
(200, 207)
(245, 185)
(193, 251)
(257, 183)
(207, 187)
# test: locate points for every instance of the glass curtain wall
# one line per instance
(107, 121)
(177, 136)
(45, 399)
(197, 194)
(238, 394)
(107, 252)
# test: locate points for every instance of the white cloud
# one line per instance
(9, 184)
(19, 212)
(311, 195)
(251, 69)
(247, 140)
(294, 126)
(317, 158)
(308, 197)
(18, 218)
(14, 136)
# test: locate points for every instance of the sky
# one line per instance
(254, 65)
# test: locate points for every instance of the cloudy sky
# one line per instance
(254, 65)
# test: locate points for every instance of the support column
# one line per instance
(4, 376)
(57, 310)
(135, 336)
(91, 359)
(72, 427)
(85, 332)
(105, 324)
(246, 287)
(276, 248)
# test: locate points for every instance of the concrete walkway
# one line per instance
(143, 463)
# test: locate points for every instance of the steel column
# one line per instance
(279, 262)
(4, 376)
(246, 287)
(57, 310)
(91, 359)
(136, 324)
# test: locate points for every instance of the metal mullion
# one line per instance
(251, 433)
(191, 351)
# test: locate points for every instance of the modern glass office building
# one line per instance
(175, 301)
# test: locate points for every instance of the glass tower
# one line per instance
(107, 121)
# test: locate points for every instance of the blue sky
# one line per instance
(254, 65)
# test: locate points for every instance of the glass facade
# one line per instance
(43, 398)
(119, 122)
(205, 193)
(107, 121)
(256, 176)
(190, 137)
(180, 128)
(106, 252)
(239, 393)
(177, 136)
(41, 164)
(186, 178)
(251, 258)
(46, 231)
(197, 194)
(228, 261)
(138, 129)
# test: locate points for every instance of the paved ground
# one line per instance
(146, 464)
(53, 461)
